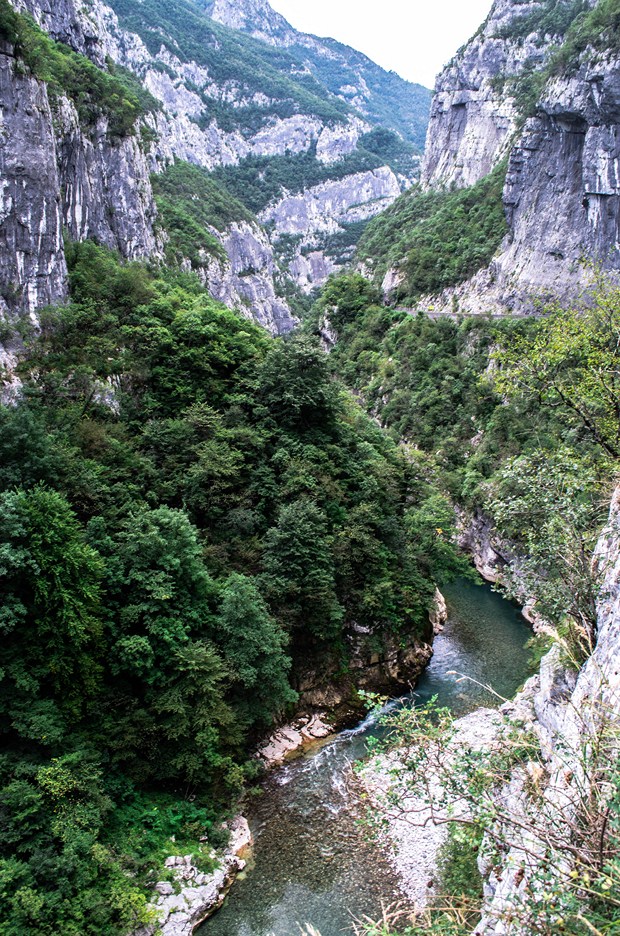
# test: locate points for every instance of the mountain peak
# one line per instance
(253, 16)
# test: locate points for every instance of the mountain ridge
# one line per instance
(379, 94)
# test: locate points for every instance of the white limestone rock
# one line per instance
(182, 906)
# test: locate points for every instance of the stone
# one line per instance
(561, 195)
(164, 888)
(292, 739)
(438, 615)
(199, 895)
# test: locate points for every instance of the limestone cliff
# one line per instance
(32, 262)
(215, 103)
(561, 189)
(54, 175)
(575, 717)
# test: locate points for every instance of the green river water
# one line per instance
(312, 862)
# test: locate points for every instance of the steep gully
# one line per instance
(312, 861)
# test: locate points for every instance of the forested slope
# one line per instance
(192, 513)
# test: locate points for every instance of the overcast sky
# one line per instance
(413, 37)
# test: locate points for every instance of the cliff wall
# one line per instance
(561, 190)
(60, 174)
(575, 717)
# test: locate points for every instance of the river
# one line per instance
(312, 861)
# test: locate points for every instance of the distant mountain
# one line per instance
(162, 132)
(382, 96)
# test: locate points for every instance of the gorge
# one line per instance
(269, 371)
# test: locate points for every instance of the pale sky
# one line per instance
(415, 38)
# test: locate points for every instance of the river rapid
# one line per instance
(313, 862)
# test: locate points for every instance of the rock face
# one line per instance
(181, 906)
(294, 738)
(471, 121)
(106, 191)
(246, 279)
(32, 262)
(473, 114)
(561, 191)
(324, 211)
(326, 208)
(567, 712)
(565, 168)
(65, 21)
(391, 668)
(56, 173)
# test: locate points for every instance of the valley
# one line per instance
(287, 343)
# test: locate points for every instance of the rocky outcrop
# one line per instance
(254, 16)
(438, 615)
(55, 174)
(105, 184)
(66, 21)
(575, 717)
(245, 280)
(315, 215)
(293, 739)
(32, 263)
(562, 192)
(389, 666)
(326, 208)
(473, 115)
(192, 896)
(471, 122)
(491, 554)
(311, 268)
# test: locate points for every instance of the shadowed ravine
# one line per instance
(312, 861)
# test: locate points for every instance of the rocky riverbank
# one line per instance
(187, 901)
(293, 739)
(414, 827)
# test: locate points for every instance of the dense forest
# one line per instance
(190, 509)
(194, 513)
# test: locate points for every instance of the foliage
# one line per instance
(188, 204)
(191, 511)
(547, 504)
(437, 239)
(570, 361)
(115, 93)
(473, 394)
(597, 28)
(390, 147)
(551, 18)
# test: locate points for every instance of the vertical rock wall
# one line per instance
(32, 263)
(571, 715)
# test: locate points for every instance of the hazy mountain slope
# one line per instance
(381, 96)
